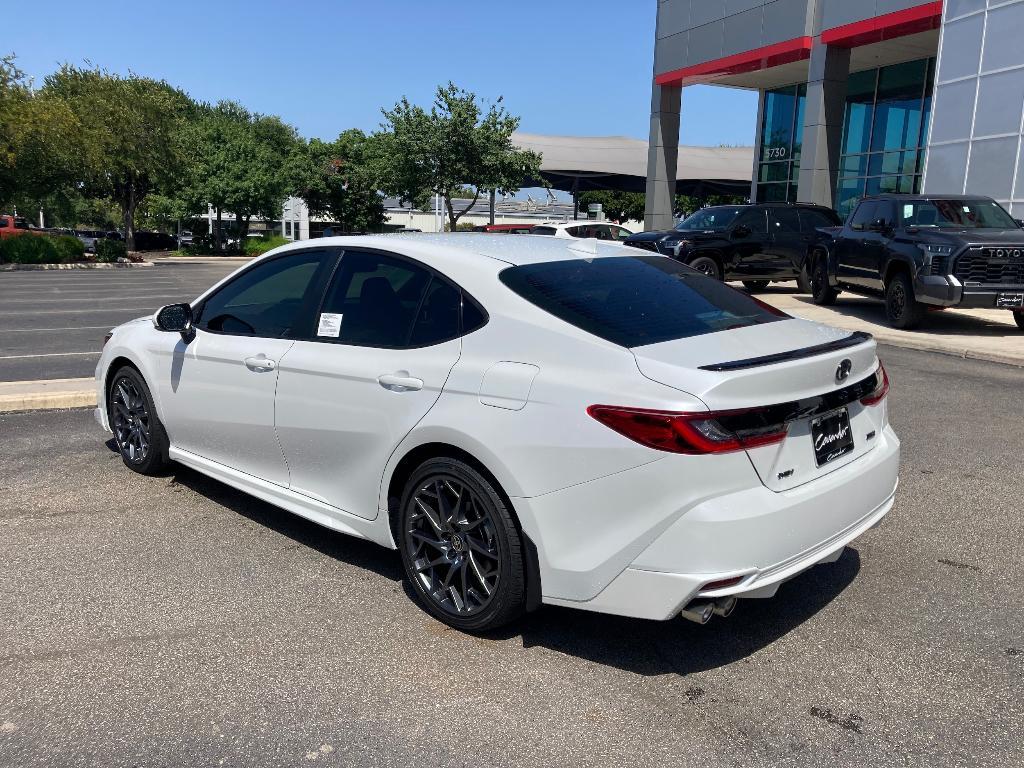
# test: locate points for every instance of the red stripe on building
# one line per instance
(797, 49)
(920, 18)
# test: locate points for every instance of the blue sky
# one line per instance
(575, 67)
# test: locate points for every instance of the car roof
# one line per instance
(909, 196)
(449, 248)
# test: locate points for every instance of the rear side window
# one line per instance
(754, 220)
(542, 231)
(783, 221)
(636, 300)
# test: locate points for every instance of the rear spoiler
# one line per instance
(855, 339)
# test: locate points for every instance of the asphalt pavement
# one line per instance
(52, 322)
(174, 621)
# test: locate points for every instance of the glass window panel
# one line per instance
(889, 184)
(798, 125)
(853, 165)
(860, 101)
(873, 186)
(774, 172)
(897, 121)
(773, 193)
(777, 131)
(850, 191)
(908, 165)
(929, 86)
(907, 184)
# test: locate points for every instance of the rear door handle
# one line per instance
(400, 381)
(260, 364)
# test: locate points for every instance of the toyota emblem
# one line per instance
(843, 371)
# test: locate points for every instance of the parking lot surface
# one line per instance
(173, 621)
(53, 321)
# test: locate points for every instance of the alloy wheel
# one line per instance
(130, 420)
(452, 543)
(897, 300)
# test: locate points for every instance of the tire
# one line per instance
(461, 548)
(821, 292)
(755, 285)
(707, 266)
(1019, 317)
(138, 432)
(803, 279)
(902, 309)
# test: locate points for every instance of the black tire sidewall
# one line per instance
(717, 273)
(158, 444)
(510, 599)
(821, 292)
(912, 309)
(756, 285)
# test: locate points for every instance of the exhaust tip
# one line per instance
(724, 606)
(699, 612)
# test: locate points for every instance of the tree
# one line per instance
(455, 144)
(334, 180)
(618, 206)
(131, 131)
(241, 162)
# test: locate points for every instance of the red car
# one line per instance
(505, 229)
(11, 226)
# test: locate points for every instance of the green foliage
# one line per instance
(109, 251)
(40, 249)
(258, 246)
(618, 206)
(454, 145)
(336, 180)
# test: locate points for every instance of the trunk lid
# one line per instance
(790, 362)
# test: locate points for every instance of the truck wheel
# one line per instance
(708, 266)
(821, 292)
(1019, 317)
(803, 279)
(902, 309)
(755, 285)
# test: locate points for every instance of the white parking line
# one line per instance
(48, 354)
(108, 310)
(75, 328)
(91, 298)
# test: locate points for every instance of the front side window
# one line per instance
(863, 216)
(266, 300)
(956, 214)
(620, 233)
(635, 300)
(754, 220)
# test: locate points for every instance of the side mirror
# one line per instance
(1020, 223)
(175, 318)
(879, 225)
(741, 232)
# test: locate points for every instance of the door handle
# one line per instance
(400, 381)
(260, 364)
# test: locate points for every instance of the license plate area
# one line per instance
(1010, 301)
(832, 436)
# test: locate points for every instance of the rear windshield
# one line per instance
(636, 300)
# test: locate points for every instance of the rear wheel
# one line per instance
(755, 285)
(821, 292)
(139, 435)
(803, 279)
(1019, 317)
(902, 309)
(461, 548)
(707, 266)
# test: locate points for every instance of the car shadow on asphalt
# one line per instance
(643, 647)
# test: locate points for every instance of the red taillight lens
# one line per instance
(691, 433)
(881, 389)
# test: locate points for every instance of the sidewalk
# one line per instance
(978, 334)
(47, 395)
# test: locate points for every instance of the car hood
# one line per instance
(647, 237)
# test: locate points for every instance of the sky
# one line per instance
(570, 67)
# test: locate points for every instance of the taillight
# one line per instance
(690, 433)
(881, 389)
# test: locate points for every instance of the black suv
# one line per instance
(920, 251)
(753, 243)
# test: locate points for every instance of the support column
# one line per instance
(758, 144)
(662, 156)
(823, 124)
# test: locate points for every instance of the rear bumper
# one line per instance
(764, 537)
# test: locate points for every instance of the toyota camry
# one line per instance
(526, 420)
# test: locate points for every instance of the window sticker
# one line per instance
(908, 211)
(330, 325)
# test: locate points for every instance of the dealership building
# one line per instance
(856, 96)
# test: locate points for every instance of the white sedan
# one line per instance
(599, 230)
(527, 420)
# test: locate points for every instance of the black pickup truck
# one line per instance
(925, 251)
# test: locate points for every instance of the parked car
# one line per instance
(184, 238)
(89, 238)
(526, 420)
(756, 244)
(12, 226)
(505, 229)
(599, 230)
(925, 251)
(155, 241)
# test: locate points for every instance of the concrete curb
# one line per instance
(963, 353)
(47, 394)
(41, 267)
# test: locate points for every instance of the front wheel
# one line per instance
(708, 266)
(803, 279)
(139, 435)
(460, 547)
(902, 309)
(755, 285)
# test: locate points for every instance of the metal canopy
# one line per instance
(581, 163)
